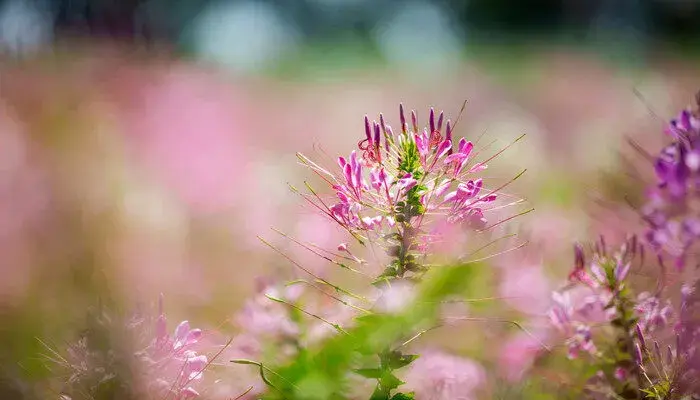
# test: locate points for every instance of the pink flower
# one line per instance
(561, 313)
(407, 182)
(518, 353)
(264, 317)
(525, 288)
(189, 151)
(653, 314)
(408, 179)
(582, 340)
(436, 375)
(621, 374)
(465, 202)
(459, 159)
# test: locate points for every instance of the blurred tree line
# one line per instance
(165, 19)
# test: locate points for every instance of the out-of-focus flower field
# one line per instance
(125, 176)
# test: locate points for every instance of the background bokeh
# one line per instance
(145, 144)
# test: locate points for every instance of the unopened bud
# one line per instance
(368, 131)
(640, 336)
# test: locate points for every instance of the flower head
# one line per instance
(671, 211)
(167, 364)
(395, 188)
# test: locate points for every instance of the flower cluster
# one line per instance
(673, 208)
(151, 363)
(395, 186)
(635, 366)
(172, 360)
(600, 294)
(673, 372)
(441, 376)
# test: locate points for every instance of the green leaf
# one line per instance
(375, 373)
(403, 396)
(389, 381)
(379, 394)
(397, 360)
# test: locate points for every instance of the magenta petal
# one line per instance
(621, 271)
(450, 196)
(368, 131)
(598, 273)
(182, 330)
(194, 367)
(462, 144)
(347, 172)
(444, 147)
(193, 336)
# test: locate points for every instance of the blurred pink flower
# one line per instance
(526, 288)
(167, 365)
(437, 375)
(265, 318)
(395, 296)
(518, 353)
(24, 206)
(315, 232)
(171, 362)
(189, 129)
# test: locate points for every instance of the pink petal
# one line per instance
(182, 330)
(444, 147)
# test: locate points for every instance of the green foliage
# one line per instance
(410, 158)
(403, 396)
(322, 372)
(386, 380)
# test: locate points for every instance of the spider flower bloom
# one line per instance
(396, 187)
(168, 365)
(171, 362)
(603, 277)
(671, 210)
